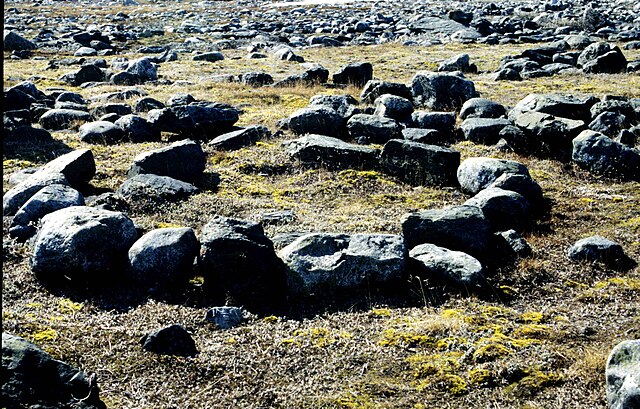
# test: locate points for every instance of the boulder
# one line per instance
(317, 120)
(376, 88)
(345, 105)
(137, 129)
(78, 167)
(332, 153)
(322, 263)
(86, 73)
(58, 119)
(12, 41)
(602, 155)
(18, 195)
(183, 160)
(373, 128)
(101, 132)
(83, 244)
(154, 188)
(481, 108)
(111, 108)
(475, 174)
(461, 228)
(356, 74)
(209, 57)
(143, 69)
(394, 107)
(31, 378)
(237, 258)
(442, 265)
(483, 130)
(171, 340)
(441, 92)
(598, 249)
(523, 185)
(444, 122)
(180, 98)
(458, 62)
(163, 257)
(623, 375)
(240, 138)
(197, 120)
(46, 200)
(225, 317)
(565, 106)
(256, 79)
(146, 104)
(514, 244)
(419, 164)
(548, 134)
(600, 58)
(427, 136)
(609, 123)
(504, 209)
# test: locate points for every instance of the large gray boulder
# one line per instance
(356, 74)
(373, 128)
(163, 257)
(148, 187)
(444, 122)
(237, 258)
(475, 174)
(375, 88)
(317, 120)
(58, 119)
(77, 166)
(562, 105)
(332, 153)
(549, 134)
(602, 57)
(623, 375)
(31, 378)
(523, 185)
(322, 263)
(137, 129)
(602, 155)
(461, 228)
(420, 164)
(394, 107)
(143, 69)
(482, 108)
(504, 209)
(483, 130)
(45, 201)
(345, 104)
(12, 41)
(101, 132)
(441, 92)
(183, 160)
(85, 244)
(18, 195)
(443, 265)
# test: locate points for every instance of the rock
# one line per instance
(420, 164)
(481, 108)
(15, 42)
(225, 317)
(345, 105)
(426, 136)
(623, 375)
(171, 340)
(593, 19)
(83, 244)
(443, 265)
(440, 92)
(376, 88)
(565, 106)
(180, 99)
(373, 128)
(598, 249)
(504, 209)
(287, 54)
(436, 26)
(609, 123)
(256, 79)
(461, 228)
(440, 121)
(483, 130)
(240, 138)
(58, 119)
(143, 69)
(209, 57)
(523, 185)
(85, 52)
(237, 258)
(317, 120)
(146, 104)
(69, 96)
(549, 134)
(459, 63)
(137, 129)
(322, 263)
(602, 155)
(578, 41)
(514, 244)
(101, 132)
(28, 134)
(196, 121)
(600, 58)
(108, 201)
(475, 174)
(154, 188)
(77, 166)
(332, 153)
(120, 109)
(86, 73)
(163, 257)
(46, 200)
(313, 76)
(617, 106)
(507, 74)
(394, 107)
(460, 16)
(356, 74)
(31, 378)
(18, 195)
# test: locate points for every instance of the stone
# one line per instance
(85, 52)
(515, 244)
(442, 265)
(154, 188)
(312, 76)
(18, 195)
(441, 92)
(507, 74)
(317, 120)
(137, 129)
(482, 108)
(458, 62)
(602, 155)
(593, 19)
(237, 258)
(31, 378)
(483, 130)
(28, 134)
(143, 69)
(163, 257)
(108, 201)
(240, 138)
(59, 119)
(598, 249)
(196, 121)
(373, 128)
(12, 41)
(609, 123)
(146, 104)
(441, 121)
(559, 105)
(523, 185)
(345, 105)
(548, 134)
(427, 136)
(356, 74)
(111, 108)
(225, 317)
(394, 107)
(256, 79)
(77, 166)
(475, 174)
(171, 340)
(209, 57)
(504, 209)
(86, 73)
(419, 164)
(101, 132)
(69, 96)
(180, 99)
(47, 200)
(83, 244)
(617, 106)
(331, 153)
(376, 88)
(461, 228)
(600, 58)
(287, 54)
(623, 375)
(323, 263)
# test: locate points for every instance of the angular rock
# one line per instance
(137, 129)
(602, 155)
(154, 188)
(458, 62)
(317, 120)
(504, 209)
(209, 57)
(322, 263)
(373, 128)
(441, 92)
(565, 106)
(356, 74)
(101, 132)
(394, 107)
(143, 69)
(523, 185)
(483, 130)
(475, 174)
(256, 79)
(58, 119)
(420, 164)
(171, 340)
(15, 42)
(443, 265)
(376, 88)
(427, 136)
(146, 104)
(549, 134)
(515, 244)
(225, 317)
(481, 108)
(440, 121)
(609, 123)
(77, 166)
(345, 105)
(332, 153)
(623, 375)
(240, 138)
(18, 195)
(602, 58)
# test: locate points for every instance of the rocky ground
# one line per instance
(349, 204)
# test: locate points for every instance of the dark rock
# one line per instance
(447, 266)
(345, 105)
(394, 107)
(483, 130)
(225, 317)
(441, 121)
(143, 69)
(523, 185)
(504, 209)
(77, 166)
(375, 129)
(623, 375)
(427, 136)
(618, 106)
(475, 174)
(598, 249)
(146, 104)
(15, 42)
(101, 132)
(240, 138)
(112, 108)
(69, 96)
(154, 188)
(609, 123)
(209, 57)
(459, 63)
(376, 88)
(514, 244)
(317, 120)
(565, 106)
(108, 201)
(256, 79)
(86, 73)
(507, 74)
(356, 74)
(171, 340)
(137, 129)
(482, 108)
(28, 134)
(602, 155)
(180, 99)
(18, 195)
(58, 119)
(440, 92)
(548, 134)
(420, 164)
(461, 16)
(332, 153)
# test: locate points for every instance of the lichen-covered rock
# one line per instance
(58, 119)
(77, 166)
(18, 195)
(443, 265)
(240, 138)
(420, 164)
(101, 132)
(565, 106)
(475, 174)
(183, 160)
(373, 128)
(602, 155)
(623, 375)
(600, 249)
(149, 187)
(332, 153)
(441, 92)
(504, 209)
(317, 120)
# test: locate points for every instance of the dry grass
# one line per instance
(539, 340)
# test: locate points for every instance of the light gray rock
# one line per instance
(373, 128)
(345, 104)
(209, 57)
(504, 209)
(623, 375)
(483, 130)
(475, 174)
(562, 105)
(443, 265)
(375, 88)
(77, 166)
(481, 108)
(143, 69)
(317, 120)
(240, 138)
(548, 134)
(598, 248)
(58, 119)
(320, 263)
(394, 107)
(602, 155)
(523, 185)
(332, 153)
(18, 195)
(154, 188)
(420, 164)
(101, 132)
(137, 129)
(440, 121)
(183, 160)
